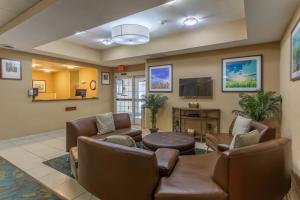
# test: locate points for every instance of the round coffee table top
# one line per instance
(180, 141)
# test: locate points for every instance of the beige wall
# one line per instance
(209, 64)
(48, 77)
(61, 83)
(20, 116)
(291, 96)
(86, 75)
(74, 83)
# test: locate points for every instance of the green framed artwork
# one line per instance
(295, 53)
(242, 74)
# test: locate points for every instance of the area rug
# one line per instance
(15, 184)
(62, 163)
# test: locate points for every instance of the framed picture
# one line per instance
(10, 69)
(40, 85)
(295, 53)
(242, 74)
(161, 79)
(105, 78)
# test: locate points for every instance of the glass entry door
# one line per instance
(129, 94)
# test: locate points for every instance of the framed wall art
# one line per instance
(105, 78)
(295, 53)
(161, 79)
(242, 74)
(40, 85)
(10, 69)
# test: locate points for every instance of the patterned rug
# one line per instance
(62, 163)
(17, 185)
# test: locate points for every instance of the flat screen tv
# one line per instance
(196, 87)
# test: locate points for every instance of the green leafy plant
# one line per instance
(154, 102)
(210, 126)
(261, 106)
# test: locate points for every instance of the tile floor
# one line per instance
(29, 152)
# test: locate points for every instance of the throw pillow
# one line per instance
(241, 125)
(245, 139)
(105, 123)
(121, 139)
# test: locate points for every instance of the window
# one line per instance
(57, 81)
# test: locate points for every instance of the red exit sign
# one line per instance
(121, 67)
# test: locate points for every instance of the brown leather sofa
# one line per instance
(114, 172)
(221, 141)
(87, 127)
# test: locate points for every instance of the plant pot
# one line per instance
(153, 130)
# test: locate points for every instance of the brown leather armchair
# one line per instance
(87, 127)
(114, 172)
(221, 141)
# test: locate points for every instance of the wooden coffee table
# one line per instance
(180, 141)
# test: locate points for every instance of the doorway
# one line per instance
(129, 92)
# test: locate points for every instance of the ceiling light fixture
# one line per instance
(106, 42)
(78, 33)
(130, 34)
(70, 66)
(35, 65)
(47, 70)
(191, 21)
(171, 2)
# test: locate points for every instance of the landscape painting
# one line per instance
(40, 85)
(242, 74)
(160, 78)
(295, 53)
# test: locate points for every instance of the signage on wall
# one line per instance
(121, 68)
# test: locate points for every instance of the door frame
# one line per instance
(131, 75)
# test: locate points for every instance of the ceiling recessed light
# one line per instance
(35, 65)
(106, 42)
(70, 66)
(78, 33)
(171, 2)
(47, 70)
(191, 21)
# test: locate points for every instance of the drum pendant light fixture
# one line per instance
(130, 34)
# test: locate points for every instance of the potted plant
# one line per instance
(154, 102)
(261, 106)
(210, 127)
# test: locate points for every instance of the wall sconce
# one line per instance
(83, 82)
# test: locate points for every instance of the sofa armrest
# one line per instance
(223, 147)
(81, 127)
(166, 160)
